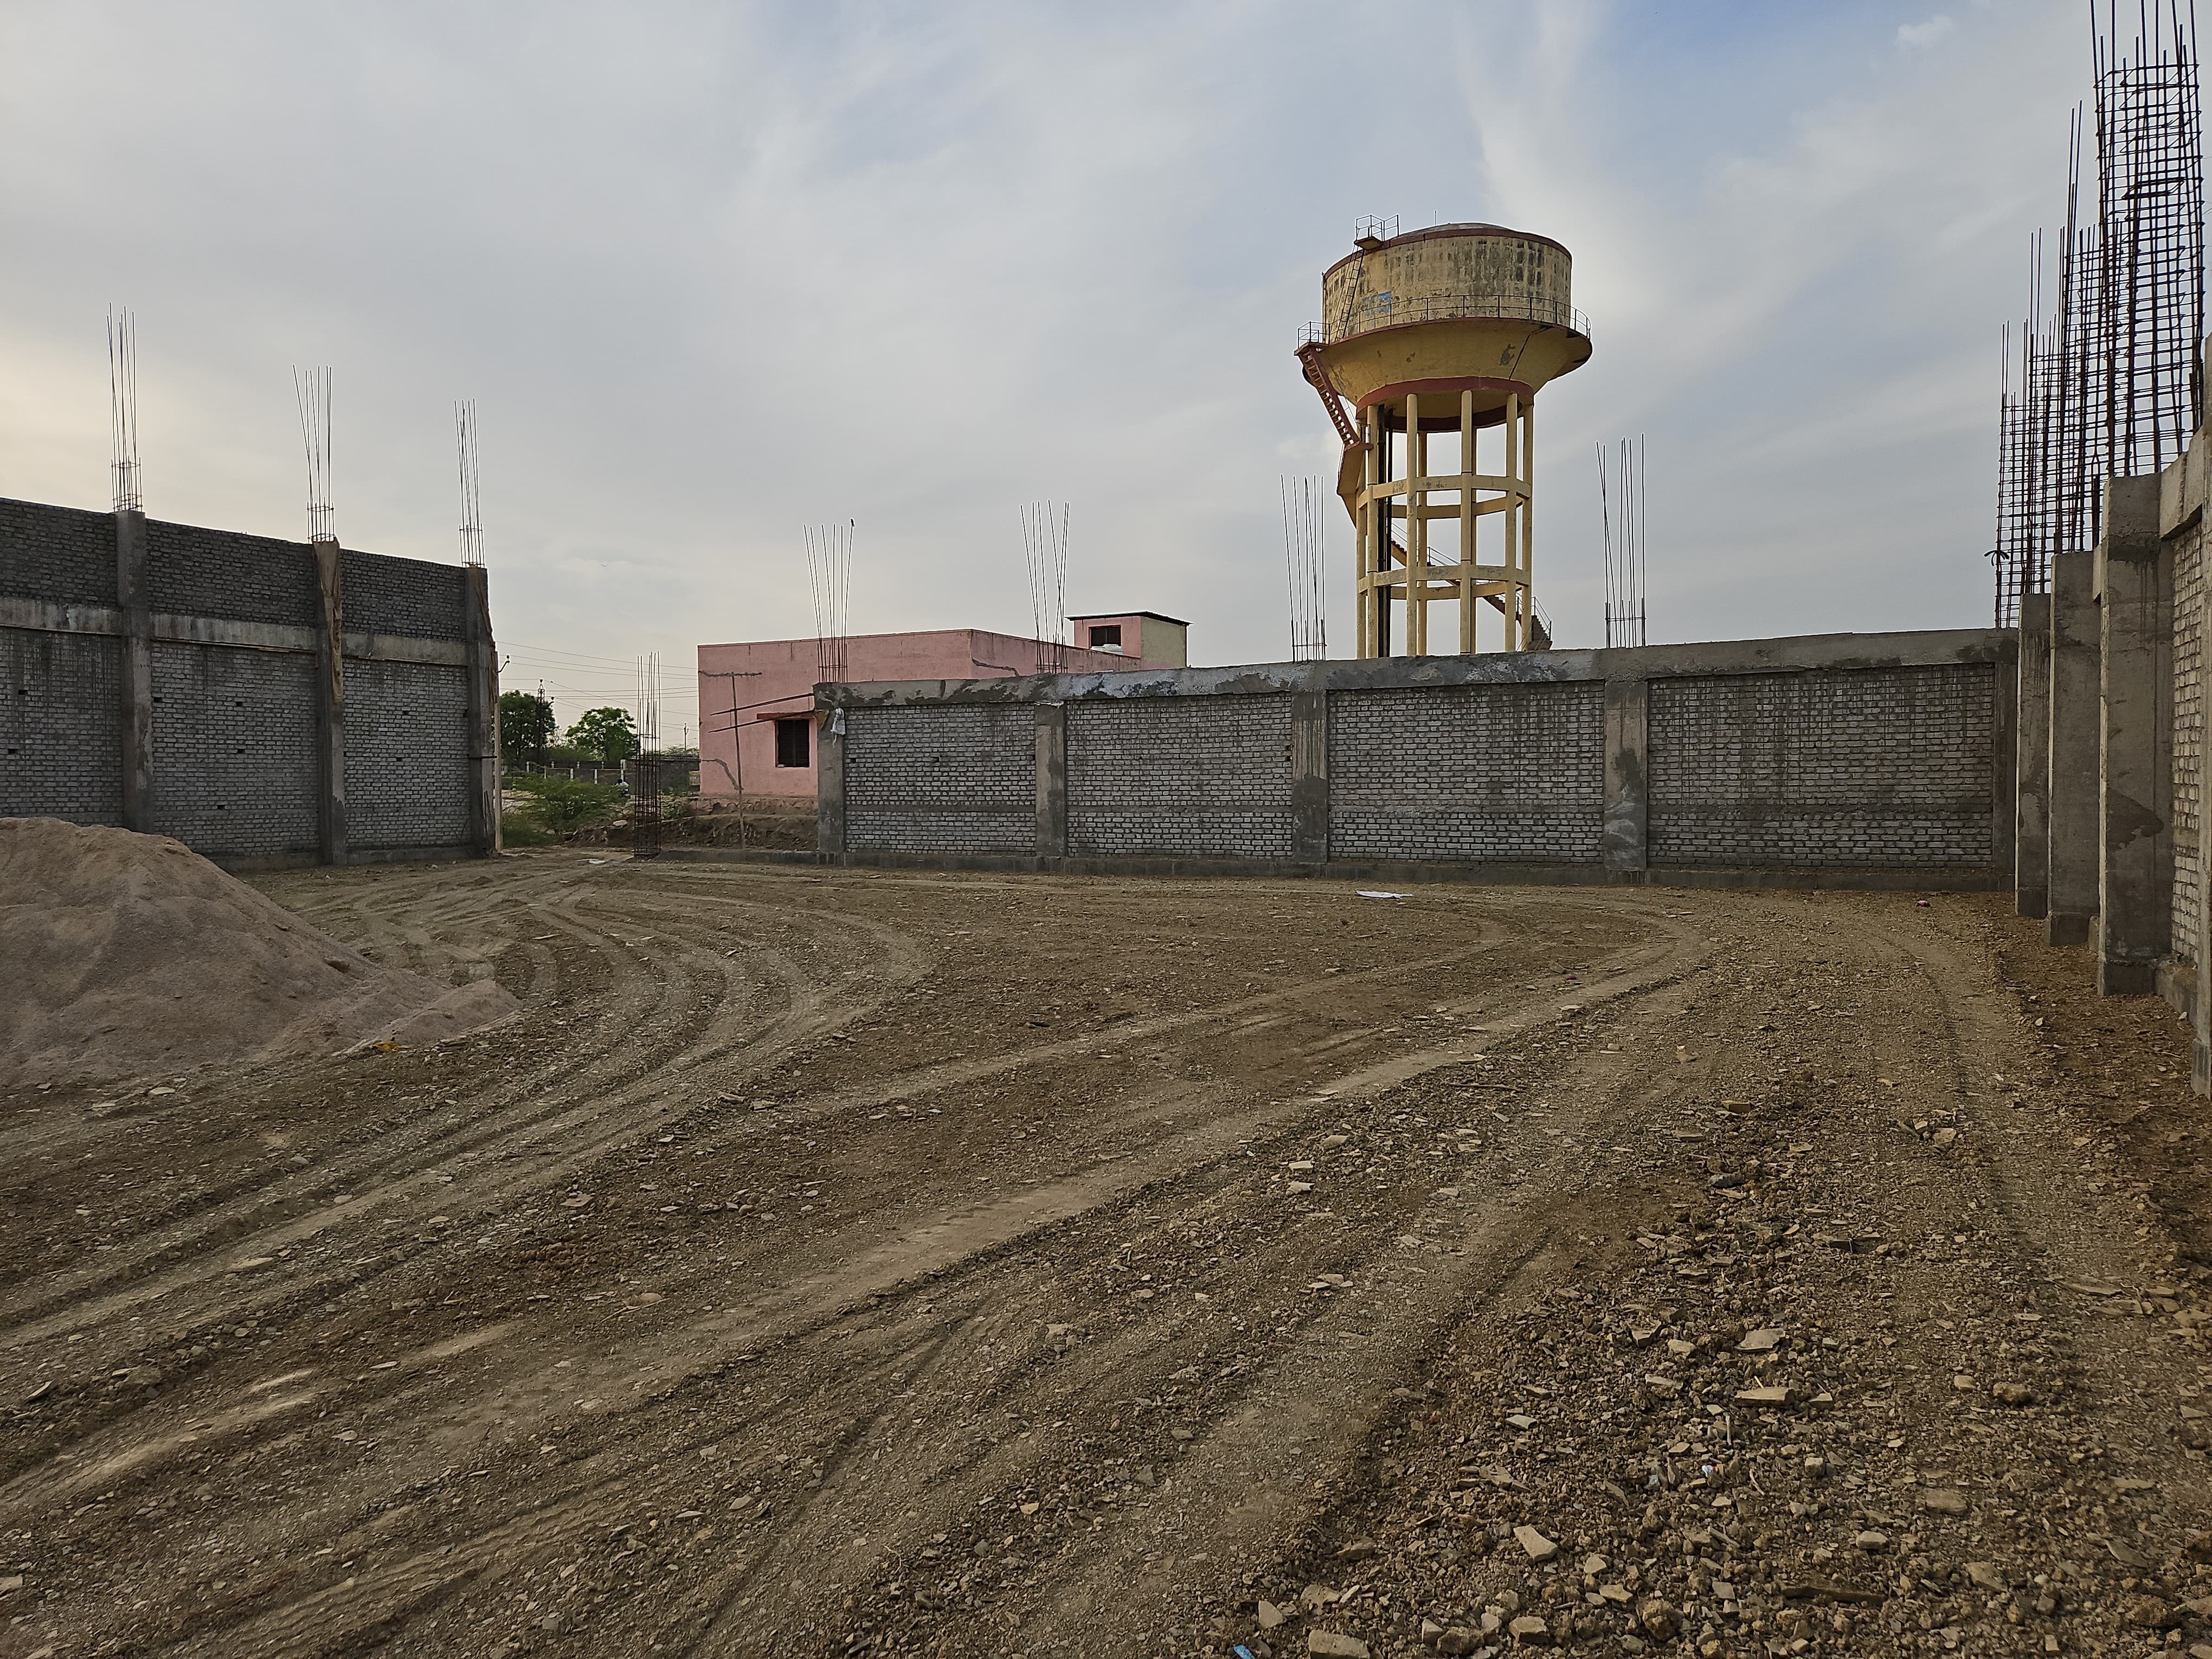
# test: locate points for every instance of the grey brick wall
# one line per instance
(1502, 772)
(1204, 775)
(191, 572)
(960, 778)
(235, 769)
(2188, 747)
(407, 736)
(57, 553)
(60, 742)
(1877, 766)
(385, 595)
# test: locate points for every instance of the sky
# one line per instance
(716, 273)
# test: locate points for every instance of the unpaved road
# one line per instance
(844, 1262)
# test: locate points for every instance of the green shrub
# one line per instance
(521, 829)
(560, 804)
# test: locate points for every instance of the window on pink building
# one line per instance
(794, 741)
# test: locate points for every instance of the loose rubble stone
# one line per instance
(1540, 1547)
(1330, 1645)
(1943, 1500)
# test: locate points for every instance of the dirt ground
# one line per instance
(844, 1262)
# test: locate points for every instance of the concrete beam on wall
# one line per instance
(2134, 862)
(484, 713)
(2004, 771)
(329, 695)
(2032, 803)
(2071, 835)
(137, 619)
(1624, 837)
(1052, 780)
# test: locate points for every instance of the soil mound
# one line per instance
(125, 954)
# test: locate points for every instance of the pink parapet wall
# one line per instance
(757, 698)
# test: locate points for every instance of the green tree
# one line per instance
(605, 733)
(526, 723)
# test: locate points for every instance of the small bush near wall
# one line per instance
(558, 806)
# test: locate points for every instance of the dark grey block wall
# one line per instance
(234, 750)
(1843, 753)
(1194, 776)
(396, 712)
(235, 726)
(1842, 767)
(960, 779)
(1514, 772)
(60, 750)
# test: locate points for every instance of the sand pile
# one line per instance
(123, 955)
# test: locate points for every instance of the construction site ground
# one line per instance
(857, 1261)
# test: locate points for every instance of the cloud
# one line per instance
(1919, 37)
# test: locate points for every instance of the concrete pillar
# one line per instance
(2134, 858)
(2004, 761)
(1623, 834)
(137, 718)
(330, 694)
(483, 715)
(828, 779)
(2070, 862)
(2032, 802)
(1052, 781)
(1310, 768)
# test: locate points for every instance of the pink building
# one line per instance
(756, 699)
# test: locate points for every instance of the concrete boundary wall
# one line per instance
(1878, 760)
(266, 702)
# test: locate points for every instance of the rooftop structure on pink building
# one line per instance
(757, 697)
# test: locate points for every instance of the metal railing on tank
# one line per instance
(1388, 310)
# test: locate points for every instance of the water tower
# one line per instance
(1448, 334)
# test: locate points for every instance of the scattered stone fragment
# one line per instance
(2148, 1612)
(2012, 1394)
(1760, 1340)
(1985, 1574)
(1529, 1628)
(1872, 1541)
(1316, 1595)
(1271, 1615)
(1358, 1550)
(1327, 1642)
(1540, 1547)
(1659, 1620)
(1943, 1500)
(1777, 1396)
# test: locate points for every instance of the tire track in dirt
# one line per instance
(952, 1252)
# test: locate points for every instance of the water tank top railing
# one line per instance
(1388, 310)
